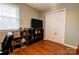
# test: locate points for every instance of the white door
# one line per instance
(55, 26)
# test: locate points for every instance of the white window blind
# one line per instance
(9, 17)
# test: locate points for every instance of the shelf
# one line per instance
(30, 36)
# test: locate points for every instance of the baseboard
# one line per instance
(75, 47)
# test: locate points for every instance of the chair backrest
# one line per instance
(7, 41)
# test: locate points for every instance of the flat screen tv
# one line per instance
(35, 23)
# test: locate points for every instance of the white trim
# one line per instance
(75, 47)
(51, 12)
(55, 11)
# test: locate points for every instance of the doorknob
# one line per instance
(55, 33)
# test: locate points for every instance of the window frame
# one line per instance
(18, 18)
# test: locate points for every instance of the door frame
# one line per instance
(51, 12)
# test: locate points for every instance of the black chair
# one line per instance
(6, 44)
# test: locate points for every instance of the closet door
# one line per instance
(55, 26)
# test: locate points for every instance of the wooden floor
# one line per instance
(45, 47)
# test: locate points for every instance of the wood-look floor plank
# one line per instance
(45, 47)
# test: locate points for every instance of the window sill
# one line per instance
(9, 30)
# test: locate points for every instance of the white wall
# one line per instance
(26, 14)
(72, 22)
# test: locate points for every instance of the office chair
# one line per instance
(77, 51)
(6, 43)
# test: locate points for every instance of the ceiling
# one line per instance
(44, 6)
(41, 6)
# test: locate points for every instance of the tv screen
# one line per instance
(35, 23)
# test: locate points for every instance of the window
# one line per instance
(9, 17)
